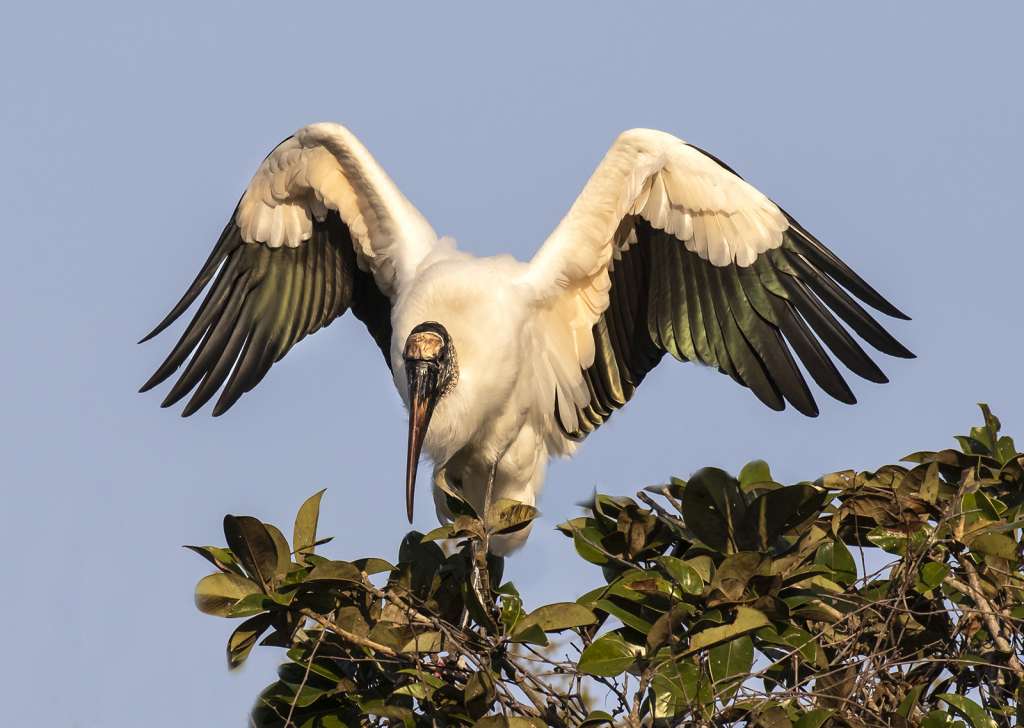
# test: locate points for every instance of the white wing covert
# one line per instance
(668, 250)
(319, 230)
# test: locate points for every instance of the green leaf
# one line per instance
(217, 593)
(439, 534)
(221, 558)
(1005, 449)
(468, 527)
(756, 471)
(556, 617)
(685, 575)
(284, 554)
(424, 642)
(836, 557)
(713, 508)
(974, 713)
(304, 533)
(664, 627)
(253, 546)
(728, 660)
(930, 484)
(892, 543)
(813, 719)
(747, 620)
(454, 499)
(930, 576)
(994, 544)
(531, 634)
(373, 565)
(584, 540)
(624, 615)
(335, 571)
(595, 718)
(243, 639)
(608, 656)
(972, 446)
(509, 516)
(516, 721)
(910, 701)
(774, 717)
(779, 511)
(940, 719)
(249, 605)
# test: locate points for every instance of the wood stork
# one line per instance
(503, 364)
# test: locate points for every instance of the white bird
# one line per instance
(504, 364)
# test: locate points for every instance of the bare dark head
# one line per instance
(431, 370)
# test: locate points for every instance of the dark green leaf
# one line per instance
(243, 639)
(779, 511)
(774, 717)
(595, 718)
(814, 719)
(284, 559)
(253, 546)
(713, 508)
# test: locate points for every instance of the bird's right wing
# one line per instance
(667, 250)
(320, 229)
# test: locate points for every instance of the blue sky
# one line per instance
(891, 132)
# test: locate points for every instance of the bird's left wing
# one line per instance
(668, 250)
(320, 229)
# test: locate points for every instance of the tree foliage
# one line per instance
(885, 598)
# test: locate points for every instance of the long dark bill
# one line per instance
(422, 377)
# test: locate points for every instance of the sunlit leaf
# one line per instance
(373, 565)
(304, 533)
(685, 575)
(836, 557)
(336, 571)
(607, 656)
(747, 620)
(217, 593)
(974, 713)
(509, 516)
(556, 617)
(756, 471)
(728, 660)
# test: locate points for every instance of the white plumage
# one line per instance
(665, 250)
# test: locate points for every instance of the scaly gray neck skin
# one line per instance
(432, 371)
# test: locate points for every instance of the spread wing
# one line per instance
(319, 230)
(668, 250)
